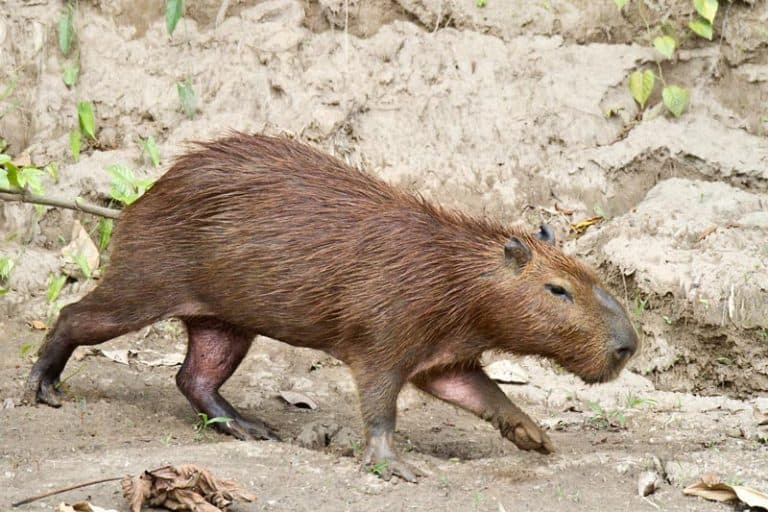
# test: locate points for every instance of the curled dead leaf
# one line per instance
(564, 210)
(184, 487)
(707, 231)
(38, 325)
(711, 488)
(81, 506)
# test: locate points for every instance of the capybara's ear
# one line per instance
(546, 234)
(516, 253)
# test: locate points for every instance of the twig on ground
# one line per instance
(24, 196)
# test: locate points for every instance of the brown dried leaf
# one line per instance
(564, 210)
(137, 490)
(184, 487)
(707, 231)
(38, 325)
(299, 400)
(710, 487)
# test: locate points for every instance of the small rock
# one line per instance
(345, 440)
(316, 435)
(507, 372)
(8, 403)
(622, 468)
(648, 482)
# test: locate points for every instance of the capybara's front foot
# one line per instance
(525, 433)
(381, 460)
(42, 389)
(248, 430)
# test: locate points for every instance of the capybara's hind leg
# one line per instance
(469, 387)
(88, 322)
(378, 390)
(216, 348)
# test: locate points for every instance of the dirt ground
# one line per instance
(497, 110)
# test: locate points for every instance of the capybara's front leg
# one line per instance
(378, 392)
(469, 387)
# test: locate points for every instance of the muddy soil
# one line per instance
(500, 111)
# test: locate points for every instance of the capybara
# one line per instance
(253, 235)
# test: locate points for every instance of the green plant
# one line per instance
(640, 306)
(379, 468)
(105, 227)
(632, 401)
(26, 350)
(126, 187)
(55, 285)
(204, 423)
(641, 82)
(188, 98)
(86, 119)
(606, 418)
(82, 262)
(74, 144)
(6, 268)
(28, 177)
(150, 146)
(480, 3)
(174, 9)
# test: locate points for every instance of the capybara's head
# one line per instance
(557, 307)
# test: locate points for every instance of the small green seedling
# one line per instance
(6, 268)
(174, 9)
(126, 187)
(26, 350)
(55, 285)
(86, 119)
(605, 419)
(633, 401)
(74, 144)
(204, 423)
(150, 146)
(105, 227)
(379, 468)
(188, 98)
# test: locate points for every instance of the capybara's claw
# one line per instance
(248, 430)
(527, 435)
(42, 390)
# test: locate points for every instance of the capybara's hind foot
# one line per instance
(248, 430)
(43, 390)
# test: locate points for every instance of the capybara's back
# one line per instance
(256, 235)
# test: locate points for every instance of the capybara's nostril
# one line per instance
(625, 346)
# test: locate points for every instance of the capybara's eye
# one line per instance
(559, 291)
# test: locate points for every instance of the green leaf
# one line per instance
(66, 31)
(188, 98)
(126, 188)
(55, 285)
(105, 233)
(701, 28)
(74, 144)
(620, 3)
(4, 158)
(665, 45)
(30, 178)
(26, 349)
(173, 11)
(12, 175)
(641, 86)
(707, 9)
(70, 73)
(480, 3)
(150, 146)
(86, 119)
(6, 267)
(675, 99)
(82, 262)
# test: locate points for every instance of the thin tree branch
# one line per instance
(24, 196)
(64, 489)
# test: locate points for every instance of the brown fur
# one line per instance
(272, 237)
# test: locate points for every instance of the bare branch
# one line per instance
(23, 196)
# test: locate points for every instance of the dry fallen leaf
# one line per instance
(80, 248)
(184, 487)
(299, 400)
(81, 506)
(707, 231)
(710, 487)
(581, 226)
(38, 325)
(564, 210)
